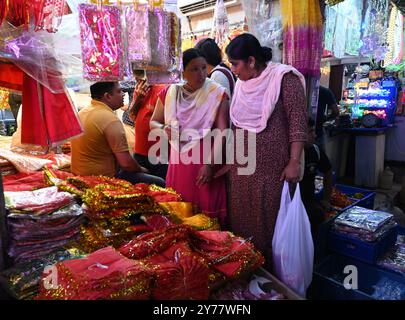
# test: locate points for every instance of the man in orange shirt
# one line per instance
(103, 148)
(145, 99)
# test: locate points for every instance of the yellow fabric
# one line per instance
(181, 210)
(104, 135)
(301, 13)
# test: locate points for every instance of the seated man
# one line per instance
(315, 160)
(103, 148)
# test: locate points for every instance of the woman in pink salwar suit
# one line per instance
(189, 114)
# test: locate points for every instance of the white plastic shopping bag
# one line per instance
(293, 248)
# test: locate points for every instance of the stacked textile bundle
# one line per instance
(188, 263)
(179, 274)
(395, 258)
(41, 222)
(104, 274)
(226, 253)
(22, 280)
(365, 224)
(7, 168)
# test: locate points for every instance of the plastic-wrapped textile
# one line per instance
(32, 236)
(155, 242)
(387, 289)
(157, 221)
(29, 181)
(40, 202)
(50, 15)
(226, 253)
(48, 58)
(137, 24)
(362, 218)
(160, 35)
(22, 280)
(366, 235)
(175, 43)
(344, 39)
(375, 28)
(395, 258)
(264, 21)
(23, 163)
(179, 275)
(174, 74)
(101, 41)
(158, 77)
(220, 27)
(104, 274)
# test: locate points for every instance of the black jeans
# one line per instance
(159, 170)
(138, 177)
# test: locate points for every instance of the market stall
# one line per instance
(369, 89)
(105, 238)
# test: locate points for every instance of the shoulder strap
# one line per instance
(226, 72)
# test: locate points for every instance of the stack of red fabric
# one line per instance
(226, 253)
(29, 181)
(104, 274)
(180, 274)
(155, 242)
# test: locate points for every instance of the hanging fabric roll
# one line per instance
(303, 25)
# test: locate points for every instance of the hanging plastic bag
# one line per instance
(101, 41)
(293, 248)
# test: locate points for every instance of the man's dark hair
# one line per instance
(98, 89)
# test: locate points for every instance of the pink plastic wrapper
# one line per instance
(160, 39)
(101, 41)
(137, 23)
(157, 77)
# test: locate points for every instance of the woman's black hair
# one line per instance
(191, 54)
(211, 50)
(246, 45)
